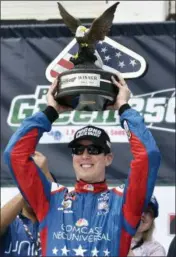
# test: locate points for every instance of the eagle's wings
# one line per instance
(72, 22)
(101, 25)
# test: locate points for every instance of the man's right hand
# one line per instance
(52, 102)
(42, 162)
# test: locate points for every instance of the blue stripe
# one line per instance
(129, 228)
(43, 224)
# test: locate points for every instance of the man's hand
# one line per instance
(123, 95)
(41, 161)
(51, 101)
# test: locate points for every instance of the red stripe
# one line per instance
(54, 73)
(117, 192)
(137, 183)
(43, 237)
(26, 173)
(66, 64)
(125, 243)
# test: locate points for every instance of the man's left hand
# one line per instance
(123, 95)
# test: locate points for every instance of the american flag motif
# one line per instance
(115, 59)
(114, 56)
(64, 64)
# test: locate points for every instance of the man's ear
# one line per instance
(109, 159)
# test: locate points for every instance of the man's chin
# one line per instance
(87, 178)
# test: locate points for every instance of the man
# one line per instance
(19, 226)
(91, 220)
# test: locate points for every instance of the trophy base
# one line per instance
(86, 89)
(86, 102)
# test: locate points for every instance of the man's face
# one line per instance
(88, 167)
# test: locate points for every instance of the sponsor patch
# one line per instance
(66, 204)
(82, 222)
(88, 132)
(126, 128)
(55, 187)
(104, 197)
(120, 188)
(103, 205)
(88, 187)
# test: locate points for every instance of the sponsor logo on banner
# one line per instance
(157, 108)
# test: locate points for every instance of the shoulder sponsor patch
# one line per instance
(56, 187)
(126, 128)
(120, 188)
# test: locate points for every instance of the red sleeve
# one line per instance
(30, 179)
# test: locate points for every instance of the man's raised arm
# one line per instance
(143, 168)
(32, 183)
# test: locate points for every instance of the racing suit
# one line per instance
(16, 241)
(92, 220)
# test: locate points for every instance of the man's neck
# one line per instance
(29, 215)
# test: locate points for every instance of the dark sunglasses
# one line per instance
(91, 149)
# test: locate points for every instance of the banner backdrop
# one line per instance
(32, 56)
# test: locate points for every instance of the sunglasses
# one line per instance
(91, 149)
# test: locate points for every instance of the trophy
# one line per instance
(87, 87)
